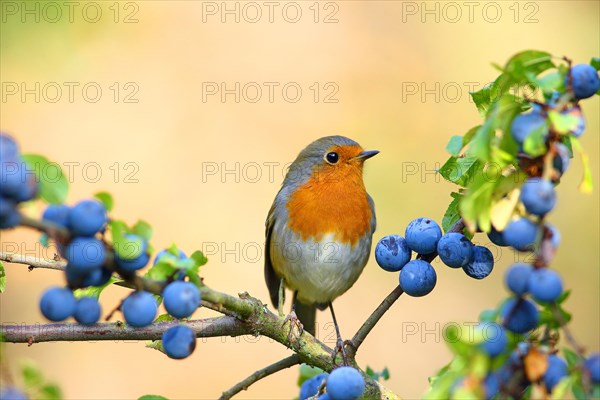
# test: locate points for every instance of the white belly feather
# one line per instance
(318, 271)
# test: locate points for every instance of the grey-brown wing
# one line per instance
(373, 217)
(271, 278)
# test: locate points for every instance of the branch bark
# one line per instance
(74, 332)
(34, 262)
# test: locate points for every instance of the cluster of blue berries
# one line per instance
(343, 383)
(424, 237)
(584, 83)
(86, 257)
(17, 182)
(91, 261)
(87, 267)
(538, 195)
(535, 284)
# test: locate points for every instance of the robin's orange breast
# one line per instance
(331, 201)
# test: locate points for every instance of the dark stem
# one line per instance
(260, 374)
(53, 230)
(579, 349)
(70, 331)
(370, 323)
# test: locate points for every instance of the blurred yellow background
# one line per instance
(153, 110)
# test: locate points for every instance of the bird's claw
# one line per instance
(294, 321)
(340, 348)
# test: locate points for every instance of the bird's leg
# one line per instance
(292, 318)
(281, 297)
(339, 347)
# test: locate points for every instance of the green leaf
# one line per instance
(307, 372)
(195, 279)
(142, 229)
(152, 397)
(156, 345)
(499, 118)
(455, 145)
(32, 376)
(50, 391)
(452, 214)
(564, 123)
(552, 82)
(118, 230)
(587, 184)
(475, 206)
(489, 315)
(528, 63)
(485, 97)
(571, 357)
(162, 270)
(460, 170)
(566, 140)
(106, 199)
(595, 62)
(579, 392)
(385, 374)
(53, 183)
(125, 247)
(449, 171)
(467, 137)
(174, 250)
(199, 258)
(548, 317)
(374, 375)
(480, 146)
(164, 318)
(44, 240)
(562, 387)
(2, 278)
(535, 143)
(480, 364)
(95, 291)
(596, 391)
(563, 296)
(456, 343)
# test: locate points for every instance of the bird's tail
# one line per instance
(307, 314)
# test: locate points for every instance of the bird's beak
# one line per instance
(362, 156)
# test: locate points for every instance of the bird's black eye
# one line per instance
(332, 157)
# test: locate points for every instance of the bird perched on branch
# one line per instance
(319, 229)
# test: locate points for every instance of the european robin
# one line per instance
(319, 228)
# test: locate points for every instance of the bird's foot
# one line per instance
(294, 321)
(340, 348)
